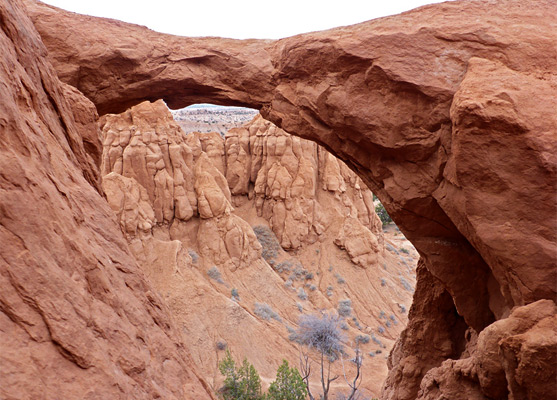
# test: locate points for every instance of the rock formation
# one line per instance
(212, 269)
(78, 319)
(446, 112)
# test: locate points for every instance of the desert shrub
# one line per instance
(362, 339)
(235, 294)
(344, 307)
(299, 273)
(194, 256)
(381, 330)
(288, 384)
(264, 311)
(321, 333)
(383, 282)
(214, 273)
(340, 279)
(383, 214)
(284, 266)
(388, 324)
(344, 326)
(391, 248)
(312, 288)
(392, 317)
(371, 354)
(221, 345)
(300, 307)
(406, 285)
(402, 308)
(302, 294)
(378, 351)
(329, 291)
(381, 314)
(269, 243)
(404, 250)
(309, 276)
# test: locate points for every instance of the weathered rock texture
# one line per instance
(446, 112)
(275, 181)
(78, 319)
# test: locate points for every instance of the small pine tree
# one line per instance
(288, 385)
(227, 367)
(250, 383)
(239, 383)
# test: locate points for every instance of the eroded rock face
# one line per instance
(78, 319)
(266, 179)
(286, 174)
(446, 112)
(514, 359)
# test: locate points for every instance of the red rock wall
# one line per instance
(77, 318)
(446, 112)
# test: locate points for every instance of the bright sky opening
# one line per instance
(240, 19)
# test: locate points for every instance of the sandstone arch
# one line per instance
(447, 113)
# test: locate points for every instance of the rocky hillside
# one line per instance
(243, 234)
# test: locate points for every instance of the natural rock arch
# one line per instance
(446, 114)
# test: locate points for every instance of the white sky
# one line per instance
(261, 19)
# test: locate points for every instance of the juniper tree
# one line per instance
(241, 383)
(288, 385)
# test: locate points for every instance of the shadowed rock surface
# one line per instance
(446, 112)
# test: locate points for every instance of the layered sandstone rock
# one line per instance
(78, 319)
(446, 112)
(286, 176)
(195, 263)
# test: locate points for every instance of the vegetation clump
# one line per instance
(383, 214)
(288, 384)
(269, 243)
(240, 383)
(244, 383)
(345, 307)
(263, 310)
(214, 273)
(194, 256)
(322, 333)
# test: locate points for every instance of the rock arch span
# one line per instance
(447, 113)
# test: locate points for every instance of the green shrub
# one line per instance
(383, 214)
(241, 383)
(288, 384)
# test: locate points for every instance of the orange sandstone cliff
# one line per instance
(446, 112)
